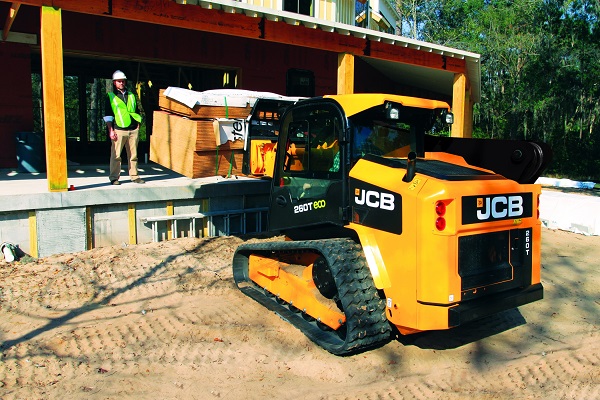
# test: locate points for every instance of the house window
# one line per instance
(303, 7)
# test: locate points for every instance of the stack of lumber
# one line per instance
(184, 140)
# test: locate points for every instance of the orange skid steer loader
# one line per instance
(390, 226)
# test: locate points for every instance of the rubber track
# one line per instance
(366, 324)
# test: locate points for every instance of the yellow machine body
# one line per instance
(390, 226)
(418, 269)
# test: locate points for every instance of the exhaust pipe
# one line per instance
(411, 167)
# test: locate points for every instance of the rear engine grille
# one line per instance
(484, 259)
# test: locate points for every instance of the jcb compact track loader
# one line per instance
(389, 226)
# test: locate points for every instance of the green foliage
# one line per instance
(540, 70)
(71, 107)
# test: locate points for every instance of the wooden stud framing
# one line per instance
(54, 95)
(345, 81)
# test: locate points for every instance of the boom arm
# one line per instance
(520, 160)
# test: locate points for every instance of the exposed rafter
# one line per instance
(12, 14)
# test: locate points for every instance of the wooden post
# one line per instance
(345, 82)
(54, 95)
(460, 102)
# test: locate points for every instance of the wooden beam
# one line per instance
(162, 12)
(170, 13)
(37, 3)
(407, 55)
(345, 81)
(298, 35)
(84, 6)
(12, 14)
(54, 98)
(98, 7)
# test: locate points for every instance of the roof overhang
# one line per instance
(435, 80)
(389, 54)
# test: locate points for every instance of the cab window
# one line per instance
(312, 147)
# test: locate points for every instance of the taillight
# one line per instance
(440, 223)
(538, 206)
(440, 210)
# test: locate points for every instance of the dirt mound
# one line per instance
(164, 320)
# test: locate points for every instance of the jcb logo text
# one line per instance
(506, 206)
(499, 207)
(374, 199)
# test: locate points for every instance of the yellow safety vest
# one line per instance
(124, 112)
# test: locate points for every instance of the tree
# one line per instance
(540, 70)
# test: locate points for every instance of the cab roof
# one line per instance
(355, 103)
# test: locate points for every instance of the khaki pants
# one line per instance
(129, 140)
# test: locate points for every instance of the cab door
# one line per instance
(307, 181)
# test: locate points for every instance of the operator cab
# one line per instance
(323, 138)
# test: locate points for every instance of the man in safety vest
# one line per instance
(123, 123)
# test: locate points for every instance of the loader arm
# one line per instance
(519, 160)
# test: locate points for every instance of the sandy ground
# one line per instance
(165, 321)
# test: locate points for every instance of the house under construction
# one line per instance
(292, 48)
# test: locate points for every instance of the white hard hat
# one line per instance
(118, 74)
